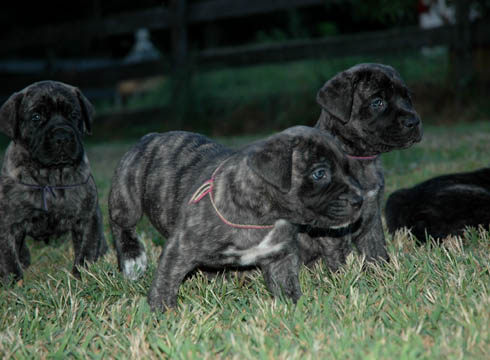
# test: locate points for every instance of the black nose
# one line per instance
(411, 122)
(354, 200)
(61, 136)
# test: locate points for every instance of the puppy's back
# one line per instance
(163, 165)
(441, 206)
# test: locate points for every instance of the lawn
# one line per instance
(428, 302)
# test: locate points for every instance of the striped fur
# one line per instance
(268, 182)
(368, 109)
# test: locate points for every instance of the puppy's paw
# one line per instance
(135, 267)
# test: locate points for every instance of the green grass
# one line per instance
(428, 302)
(236, 86)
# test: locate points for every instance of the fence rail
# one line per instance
(358, 44)
(104, 77)
(156, 18)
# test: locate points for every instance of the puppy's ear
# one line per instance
(88, 111)
(335, 97)
(271, 159)
(9, 115)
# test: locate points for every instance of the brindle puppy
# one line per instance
(46, 187)
(220, 208)
(368, 108)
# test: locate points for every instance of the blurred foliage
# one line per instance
(327, 28)
(265, 98)
(271, 36)
(294, 29)
(386, 12)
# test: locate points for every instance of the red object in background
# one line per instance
(423, 6)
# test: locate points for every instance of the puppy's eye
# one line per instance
(319, 174)
(36, 117)
(377, 104)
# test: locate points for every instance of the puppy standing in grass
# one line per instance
(46, 186)
(368, 109)
(220, 208)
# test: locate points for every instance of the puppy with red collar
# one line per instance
(220, 208)
(368, 109)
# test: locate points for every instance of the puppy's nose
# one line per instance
(410, 122)
(61, 136)
(354, 200)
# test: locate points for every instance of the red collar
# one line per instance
(372, 157)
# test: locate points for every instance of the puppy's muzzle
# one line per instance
(62, 136)
(353, 200)
(346, 208)
(63, 145)
(410, 122)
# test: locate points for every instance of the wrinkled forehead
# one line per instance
(49, 95)
(371, 81)
(319, 149)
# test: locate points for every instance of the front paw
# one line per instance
(133, 268)
(157, 302)
(11, 277)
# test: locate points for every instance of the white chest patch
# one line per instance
(372, 193)
(265, 248)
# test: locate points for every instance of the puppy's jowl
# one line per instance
(46, 187)
(367, 108)
(220, 208)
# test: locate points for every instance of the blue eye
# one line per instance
(318, 174)
(36, 117)
(377, 103)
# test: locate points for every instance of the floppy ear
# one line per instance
(9, 115)
(335, 97)
(88, 111)
(271, 159)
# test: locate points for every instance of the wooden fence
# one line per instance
(179, 15)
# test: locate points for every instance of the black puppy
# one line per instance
(441, 206)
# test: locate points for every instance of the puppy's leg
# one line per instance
(334, 251)
(23, 251)
(371, 242)
(88, 241)
(175, 262)
(131, 256)
(96, 236)
(281, 277)
(125, 211)
(9, 260)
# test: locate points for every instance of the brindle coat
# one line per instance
(298, 176)
(368, 109)
(46, 187)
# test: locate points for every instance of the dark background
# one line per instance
(231, 94)
(342, 16)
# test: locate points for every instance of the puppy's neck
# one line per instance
(355, 148)
(328, 123)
